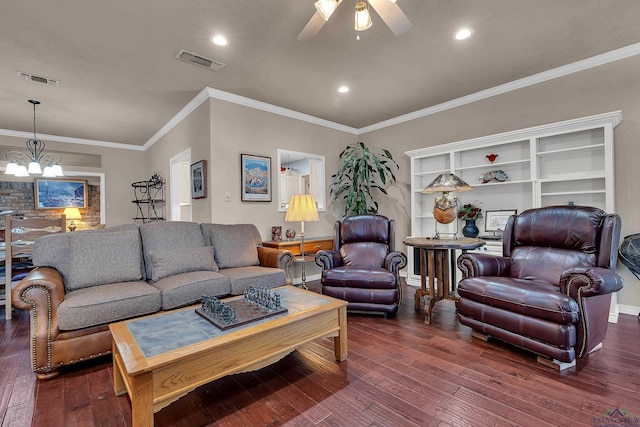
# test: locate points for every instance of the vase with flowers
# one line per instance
(470, 213)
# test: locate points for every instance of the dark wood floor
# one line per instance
(400, 372)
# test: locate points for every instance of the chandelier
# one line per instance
(35, 163)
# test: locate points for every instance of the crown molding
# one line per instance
(202, 96)
(574, 67)
(259, 105)
(208, 92)
(71, 140)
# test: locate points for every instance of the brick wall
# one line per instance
(19, 197)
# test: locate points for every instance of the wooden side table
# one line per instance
(433, 258)
(311, 244)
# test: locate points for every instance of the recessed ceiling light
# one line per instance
(220, 40)
(464, 33)
(343, 89)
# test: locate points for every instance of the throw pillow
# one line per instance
(169, 263)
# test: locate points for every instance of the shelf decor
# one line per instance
(470, 213)
(497, 220)
(445, 206)
(256, 178)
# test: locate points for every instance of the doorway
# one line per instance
(179, 186)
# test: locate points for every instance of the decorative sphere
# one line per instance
(291, 233)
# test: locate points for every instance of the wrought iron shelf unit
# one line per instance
(149, 200)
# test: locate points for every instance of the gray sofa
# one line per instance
(86, 280)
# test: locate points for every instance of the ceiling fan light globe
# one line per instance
(326, 7)
(362, 18)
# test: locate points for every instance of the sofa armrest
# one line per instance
(474, 265)
(41, 292)
(276, 258)
(580, 282)
(395, 261)
(328, 259)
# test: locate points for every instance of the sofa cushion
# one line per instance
(174, 236)
(529, 298)
(188, 288)
(53, 250)
(168, 263)
(98, 305)
(102, 258)
(243, 277)
(359, 277)
(234, 245)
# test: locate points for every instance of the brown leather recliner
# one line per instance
(550, 292)
(363, 266)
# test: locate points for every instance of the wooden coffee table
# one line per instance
(159, 358)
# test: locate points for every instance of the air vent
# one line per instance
(38, 79)
(199, 60)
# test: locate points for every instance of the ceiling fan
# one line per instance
(388, 10)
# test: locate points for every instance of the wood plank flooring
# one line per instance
(400, 372)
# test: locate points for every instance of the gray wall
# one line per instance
(610, 87)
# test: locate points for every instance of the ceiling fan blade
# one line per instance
(392, 15)
(312, 28)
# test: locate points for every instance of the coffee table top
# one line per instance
(147, 340)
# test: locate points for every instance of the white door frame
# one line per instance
(174, 182)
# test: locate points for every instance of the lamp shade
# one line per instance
(72, 213)
(446, 182)
(302, 207)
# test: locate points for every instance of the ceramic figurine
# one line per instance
(492, 157)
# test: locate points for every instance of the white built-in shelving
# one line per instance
(568, 162)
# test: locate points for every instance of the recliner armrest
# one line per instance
(589, 281)
(328, 259)
(395, 261)
(474, 265)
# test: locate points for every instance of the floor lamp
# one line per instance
(445, 209)
(302, 207)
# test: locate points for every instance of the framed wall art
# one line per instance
(60, 193)
(256, 178)
(495, 221)
(199, 180)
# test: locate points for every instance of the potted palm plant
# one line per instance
(362, 169)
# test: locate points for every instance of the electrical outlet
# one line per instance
(227, 196)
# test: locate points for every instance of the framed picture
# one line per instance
(496, 220)
(256, 178)
(60, 193)
(199, 180)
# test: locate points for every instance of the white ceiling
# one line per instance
(120, 80)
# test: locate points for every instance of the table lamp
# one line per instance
(445, 209)
(302, 207)
(72, 214)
